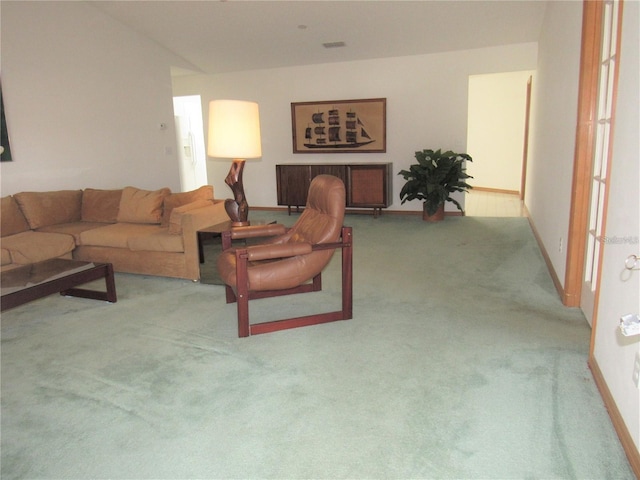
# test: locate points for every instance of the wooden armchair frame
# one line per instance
(243, 294)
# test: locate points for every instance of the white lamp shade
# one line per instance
(234, 129)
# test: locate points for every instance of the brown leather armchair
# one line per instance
(292, 261)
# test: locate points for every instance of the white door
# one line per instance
(601, 157)
(190, 139)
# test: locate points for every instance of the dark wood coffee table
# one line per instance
(30, 282)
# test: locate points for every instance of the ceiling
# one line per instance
(236, 35)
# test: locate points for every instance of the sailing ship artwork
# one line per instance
(339, 126)
(336, 132)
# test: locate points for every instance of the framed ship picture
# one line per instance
(340, 126)
(5, 148)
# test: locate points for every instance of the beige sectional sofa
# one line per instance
(138, 231)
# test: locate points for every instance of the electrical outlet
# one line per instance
(636, 370)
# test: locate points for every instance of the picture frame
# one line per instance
(340, 126)
(5, 147)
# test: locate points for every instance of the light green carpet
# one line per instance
(460, 362)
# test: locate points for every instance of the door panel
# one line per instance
(602, 152)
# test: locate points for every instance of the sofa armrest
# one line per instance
(192, 221)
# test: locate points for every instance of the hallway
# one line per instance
(492, 204)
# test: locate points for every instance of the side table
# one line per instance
(208, 233)
(208, 271)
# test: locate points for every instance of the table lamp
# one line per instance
(234, 132)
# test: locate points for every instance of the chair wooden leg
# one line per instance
(243, 316)
(242, 295)
(347, 273)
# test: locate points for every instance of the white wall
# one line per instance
(553, 128)
(426, 107)
(495, 141)
(620, 288)
(554, 117)
(84, 97)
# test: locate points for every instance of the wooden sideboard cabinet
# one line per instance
(368, 185)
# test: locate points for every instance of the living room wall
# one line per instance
(552, 136)
(615, 354)
(426, 107)
(84, 97)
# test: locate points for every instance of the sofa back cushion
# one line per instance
(183, 198)
(12, 220)
(42, 209)
(175, 223)
(141, 206)
(100, 205)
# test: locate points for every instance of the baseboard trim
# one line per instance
(415, 212)
(630, 449)
(545, 255)
(269, 209)
(495, 190)
(363, 211)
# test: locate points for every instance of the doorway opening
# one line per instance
(190, 140)
(497, 131)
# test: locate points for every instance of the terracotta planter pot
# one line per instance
(436, 217)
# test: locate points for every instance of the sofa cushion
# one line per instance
(49, 208)
(183, 198)
(74, 229)
(5, 257)
(100, 205)
(117, 234)
(30, 247)
(12, 220)
(141, 206)
(175, 224)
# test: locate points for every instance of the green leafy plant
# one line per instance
(436, 175)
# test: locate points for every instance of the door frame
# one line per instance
(525, 149)
(583, 157)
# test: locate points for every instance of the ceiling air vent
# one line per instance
(334, 44)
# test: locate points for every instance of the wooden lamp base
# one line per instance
(237, 208)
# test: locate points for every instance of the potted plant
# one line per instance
(432, 180)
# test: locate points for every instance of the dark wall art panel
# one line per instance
(339, 126)
(5, 155)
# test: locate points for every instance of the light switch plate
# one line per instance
(630, 324)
